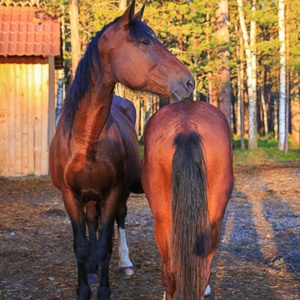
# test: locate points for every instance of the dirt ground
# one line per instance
(258, 259)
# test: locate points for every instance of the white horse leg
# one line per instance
(207, 290)
(125, 264)
(164, 296)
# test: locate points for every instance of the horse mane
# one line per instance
(90, 64)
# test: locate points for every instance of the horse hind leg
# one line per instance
(162, 229)
(125, 265)
(215, 234)
(207, 290)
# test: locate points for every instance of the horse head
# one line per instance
(139, 60)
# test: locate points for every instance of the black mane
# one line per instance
(82, 82)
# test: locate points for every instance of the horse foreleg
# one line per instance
(125, 265)
(80, 244)
(104, 251)
(92, 222)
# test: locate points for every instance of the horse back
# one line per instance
(185, 117)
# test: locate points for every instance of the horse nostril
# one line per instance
(190, 84)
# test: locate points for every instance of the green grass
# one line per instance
(267, 151)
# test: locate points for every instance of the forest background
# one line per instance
(244, 55)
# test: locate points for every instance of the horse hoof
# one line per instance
(207, 291)
(92, 278)
(103, 293)
(127, 271)
(83, 293)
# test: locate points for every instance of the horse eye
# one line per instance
(146, 42)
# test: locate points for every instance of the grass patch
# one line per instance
(267, 151)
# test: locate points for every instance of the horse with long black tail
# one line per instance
(188, 179)
(94, 155)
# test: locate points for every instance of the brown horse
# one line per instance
(94, 156)
(188, 179)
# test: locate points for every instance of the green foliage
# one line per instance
(188, 29)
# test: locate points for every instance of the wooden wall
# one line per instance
(24, 118)
(27, 113)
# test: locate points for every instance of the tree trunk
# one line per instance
(75, 41)
(239, 120)
(122, 4)
(288, 78)
(120, 88)
(253, 103)
(282, 79)
(295, 108)
(224, 92)
(241, 91)
(263, 102)
(209, 75)
(252, 98)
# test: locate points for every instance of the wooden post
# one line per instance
(51, 97)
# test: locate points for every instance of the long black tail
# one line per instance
(190, 220)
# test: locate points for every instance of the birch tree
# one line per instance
(240, 96)
(122, 5)
(282, 78)
(253, 103)
(251, 74)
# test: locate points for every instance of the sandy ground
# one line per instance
(258, 259)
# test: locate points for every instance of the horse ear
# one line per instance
(128, 15)
(139, 15)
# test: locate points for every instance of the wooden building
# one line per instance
(29, 48)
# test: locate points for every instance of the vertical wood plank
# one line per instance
(4, 119)
(44, 118)
(24, 127)
(18, 121)
(37, 119)
(31, 86)
(51, 104)
(11, 121)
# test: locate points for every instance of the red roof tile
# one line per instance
(27, 30)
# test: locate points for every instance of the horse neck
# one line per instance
(91, 117)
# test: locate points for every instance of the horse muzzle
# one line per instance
(183, 92)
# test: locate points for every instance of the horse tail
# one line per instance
(190, 220)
